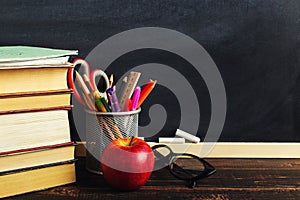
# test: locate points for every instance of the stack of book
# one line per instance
(36, 151)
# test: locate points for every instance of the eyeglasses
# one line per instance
(183, 166)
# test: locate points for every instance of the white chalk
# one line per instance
(187, 136)
(171, 140)
(165, 139)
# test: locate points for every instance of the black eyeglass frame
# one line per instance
(208, 168)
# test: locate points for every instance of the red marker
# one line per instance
(128, 105)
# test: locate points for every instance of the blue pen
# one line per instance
(114, 103)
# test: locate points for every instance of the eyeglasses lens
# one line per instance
(187, 167)
(162, 157)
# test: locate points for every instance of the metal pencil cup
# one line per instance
(102, 128)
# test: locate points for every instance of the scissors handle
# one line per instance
(86, 68)
(92, 76)
(99, 72)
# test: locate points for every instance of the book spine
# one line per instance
(69, 107)
(35, 93)
(19, 151)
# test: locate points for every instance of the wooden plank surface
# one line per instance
(235, 179)
(227, 149)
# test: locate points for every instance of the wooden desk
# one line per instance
(235, 179)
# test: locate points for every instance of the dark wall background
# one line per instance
(254, 43)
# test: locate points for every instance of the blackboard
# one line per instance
(255, 45)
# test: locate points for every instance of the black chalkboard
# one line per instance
(255, 45)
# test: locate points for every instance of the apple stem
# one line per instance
(131, 140)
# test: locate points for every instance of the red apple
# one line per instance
(127, 163)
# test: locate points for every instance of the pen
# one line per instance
(112, 97)
(146, 91)
(135, 98)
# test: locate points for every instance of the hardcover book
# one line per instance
(24, 158)
(36, 178)
(26, 69)
(23, 130)
(34, 100)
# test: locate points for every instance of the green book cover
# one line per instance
(24, 53)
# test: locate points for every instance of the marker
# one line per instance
(127, 105)
(135, 98)
(146, 91)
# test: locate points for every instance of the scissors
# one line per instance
(92, 77)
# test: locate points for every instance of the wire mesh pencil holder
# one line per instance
(102, 128)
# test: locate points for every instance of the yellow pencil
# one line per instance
(111, 80)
